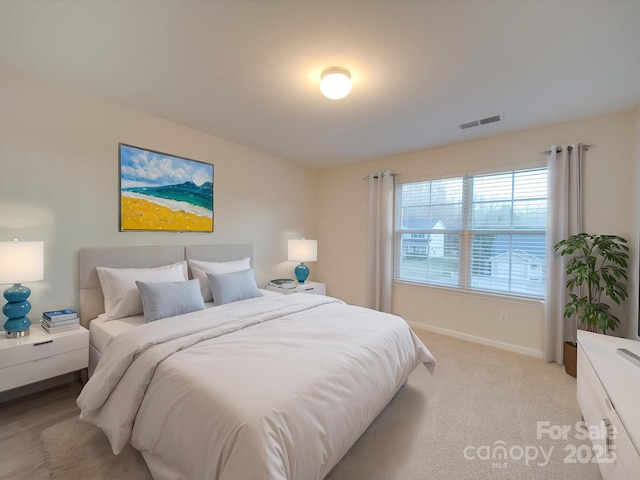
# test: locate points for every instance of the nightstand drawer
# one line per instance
(313, 287)
(317, 288)
(40, 346)
(43, 368)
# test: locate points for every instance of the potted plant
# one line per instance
(597, 270)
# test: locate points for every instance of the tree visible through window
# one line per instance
(483, 232)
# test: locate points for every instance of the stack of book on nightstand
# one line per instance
(282, 285)
(60, 320)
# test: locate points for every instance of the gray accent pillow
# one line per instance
(166, 299)
(199, 270)
(232, 287)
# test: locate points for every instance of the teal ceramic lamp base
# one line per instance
(302, 272)
(16, 310)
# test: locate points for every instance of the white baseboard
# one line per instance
(484, 341)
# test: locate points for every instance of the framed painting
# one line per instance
(162, 192)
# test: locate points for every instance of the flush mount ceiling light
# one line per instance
(335, 83)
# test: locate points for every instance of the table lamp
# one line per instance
(303, 251)
(19, 262)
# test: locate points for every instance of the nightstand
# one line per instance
(41, 355)
(313, 287)
(307, 287)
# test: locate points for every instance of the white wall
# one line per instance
(609, 183)
(59, 183)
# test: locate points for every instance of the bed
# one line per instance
(266, 387)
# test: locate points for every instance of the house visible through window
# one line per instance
(483, 232)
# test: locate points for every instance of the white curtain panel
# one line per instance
(564, 219)
(380, 242)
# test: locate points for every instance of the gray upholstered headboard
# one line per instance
(91, 298)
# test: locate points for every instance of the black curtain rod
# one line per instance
(559, 149)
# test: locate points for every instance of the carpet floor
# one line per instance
(484, 414)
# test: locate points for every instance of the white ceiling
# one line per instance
(248, 71)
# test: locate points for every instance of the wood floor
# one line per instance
(21, 422)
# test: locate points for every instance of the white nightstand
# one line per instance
(41, 355)
(307, 287)
(313, 287)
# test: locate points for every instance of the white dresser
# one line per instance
(609, 397)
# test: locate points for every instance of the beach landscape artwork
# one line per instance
(161, 192)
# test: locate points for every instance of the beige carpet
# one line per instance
(446, 426)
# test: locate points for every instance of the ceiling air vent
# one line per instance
(494, 118)
(475, 123)
(481, 121)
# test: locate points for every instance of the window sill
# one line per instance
(488, 296)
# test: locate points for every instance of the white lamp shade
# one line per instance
(21, 262)
(335, 83)
(303, 250)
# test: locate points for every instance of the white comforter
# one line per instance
(277, 387)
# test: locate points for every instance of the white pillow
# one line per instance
(200, 269)
(121, 295)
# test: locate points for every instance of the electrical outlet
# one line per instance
(503, 317)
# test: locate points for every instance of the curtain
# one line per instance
(380, 241)
(563, 220)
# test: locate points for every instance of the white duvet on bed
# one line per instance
(102, 331)
(277, 387)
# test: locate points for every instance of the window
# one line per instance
(484, 232)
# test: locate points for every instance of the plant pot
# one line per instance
(570, 358)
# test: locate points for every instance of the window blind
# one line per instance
(483, 232)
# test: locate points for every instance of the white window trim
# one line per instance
(465, 234)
